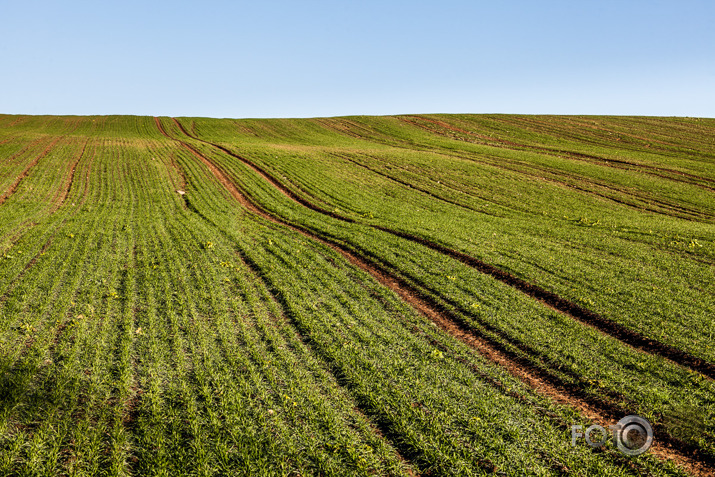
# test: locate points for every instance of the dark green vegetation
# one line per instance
(412, 295)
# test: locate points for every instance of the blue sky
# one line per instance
(279, 58)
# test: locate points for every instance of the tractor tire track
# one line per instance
(277, 298)
(621, 133)
(56, 228)
(303, 335)
(494, 351)
(15, 235)
(414, 187)
(605, 325)
(66, 189)
(673, 174)
(26, 171)
(690, 214)
(637, 201)
(25, 227)
(24, 149)
(5, 141)
(695, 180)
(536, 378)
(266, 176)
(677, 211)
(621, 139)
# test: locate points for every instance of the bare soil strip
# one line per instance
(639, 201)
(23, 150)
(491, 141)
(636, 203)
(551, 299)
(25, 172)
(667, 208)
(259, 275)
(66, 189)
(13, 236)
(573, 310)
(411, 186)
(16, 281)
(287, 317)
(222, 178)
(543, 383)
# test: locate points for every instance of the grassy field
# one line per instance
(402, 295)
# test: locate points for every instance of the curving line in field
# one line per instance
(651, 204)
(414, 187)
(493, 350)
(678, 211)
(30, 224)
(255, 269)
(6, 140)
(621, 133)
(566, 129)
(609, 327)
(23, 149)
(26, 171)
(619, 163)
(537, 378)
(505, 144)
(57, 227)
(378, 428)
(66, 189)
(385, 277)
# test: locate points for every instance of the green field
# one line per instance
(400, 295)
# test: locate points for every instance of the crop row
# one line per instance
(559, 343)
(153, 324)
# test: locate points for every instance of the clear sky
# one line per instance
(305, 58)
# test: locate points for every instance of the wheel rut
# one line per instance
(674, 175)
(256, 270)
(26, 171)
(542, 382)
(70, 181)
(551, 299)
(410, 186)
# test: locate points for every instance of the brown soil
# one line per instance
(600, 411)
(24, 149)
(62, 197)
(672, 174)
(224, 180)
(7, 140)
(551, 299)
(25, 172)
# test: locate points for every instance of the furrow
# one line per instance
(622, 164)
(539, 380)
(25, 172)
(258, 273)
(410, 186)
(609, 327)
(66, 190)
(669, 208)
(23, 150)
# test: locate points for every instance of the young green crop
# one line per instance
(152, 325)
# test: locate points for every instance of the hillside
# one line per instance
(397, 295)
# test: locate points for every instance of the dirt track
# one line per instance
(549, 298)
(26, 171)
(543, 383)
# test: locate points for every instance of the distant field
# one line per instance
(400, 295)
